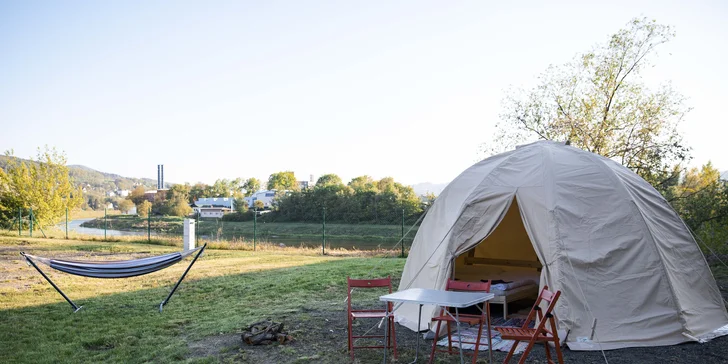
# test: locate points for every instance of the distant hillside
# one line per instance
(97, 182)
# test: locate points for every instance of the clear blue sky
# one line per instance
(407, 89)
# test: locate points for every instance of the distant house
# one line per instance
(227, 202)
(266, 197)
(209, 211)
(111, 194)
(303, 185)
(123, 193)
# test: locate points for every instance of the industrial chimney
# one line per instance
(160, 176)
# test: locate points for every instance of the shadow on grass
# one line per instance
(127, 327)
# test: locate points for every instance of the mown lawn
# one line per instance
(225, 291)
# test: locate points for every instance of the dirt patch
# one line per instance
(320, 337)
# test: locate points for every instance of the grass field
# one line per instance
(225, 291)
(270, 230)
(120, 323)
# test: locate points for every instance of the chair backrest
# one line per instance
(547, 296)
(366, 283)
(453, 285)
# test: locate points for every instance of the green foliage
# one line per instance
(259, 205)
(240, 205)
(701, 200)
(250, 186)
(137, 195)
(125, 206)
(599, 103)
(362, 201)
(283, 181)
(143, 208)
(43, 185)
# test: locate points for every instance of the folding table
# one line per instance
(423, 296)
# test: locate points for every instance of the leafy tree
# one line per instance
(329, 180)
(197, 192)
(259, 205)
(599, 103)
(137, 195)
(125, 206)
(143, 208)
(283, 181)
(250, 186)
(241, 206)
(43, 185)
(179, 190)
(177, 206)
(363, 184)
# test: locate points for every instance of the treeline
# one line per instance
(362, 200)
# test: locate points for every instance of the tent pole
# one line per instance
(161, 305)
(75, 308)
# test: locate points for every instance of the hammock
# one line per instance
(114, 269)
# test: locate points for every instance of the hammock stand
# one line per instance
(114, 269)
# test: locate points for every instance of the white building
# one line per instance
(227, 202)
(266, 197)
(123, 193)
(216, 212)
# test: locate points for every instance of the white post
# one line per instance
(189, 234)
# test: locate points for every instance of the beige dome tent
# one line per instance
(584, 225)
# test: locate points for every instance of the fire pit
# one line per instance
(264, 333)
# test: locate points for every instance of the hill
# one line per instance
(96, 182)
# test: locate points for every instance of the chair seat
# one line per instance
(469, 319)
(368, 314)
(516, 333)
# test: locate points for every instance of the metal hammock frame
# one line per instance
(114, 269)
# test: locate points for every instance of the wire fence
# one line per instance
(252, 230)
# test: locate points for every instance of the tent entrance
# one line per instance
(507, 258)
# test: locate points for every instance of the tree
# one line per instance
(241, 206)
(283, 181)
(125, 206)
(177, 206)
(143, 208)
(250, 186)
(137, 195)
(43, 185)
(259, 205)
(197, 192)
(329, 180)
(363, 184)
(599, 103)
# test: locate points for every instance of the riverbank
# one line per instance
(214, 228)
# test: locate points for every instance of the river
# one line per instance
(75, 226)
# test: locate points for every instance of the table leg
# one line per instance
(417, 346)
(460, 336)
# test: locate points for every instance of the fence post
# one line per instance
(104, 223)
(197, 226)
(323, 243)
(149, 225)
(255, 226)
(20, 222)
(31, 222)
(402, 233)
(66, 223)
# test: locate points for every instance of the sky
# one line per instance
(226, 89)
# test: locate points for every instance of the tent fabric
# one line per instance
(115, 269)
(604, 236)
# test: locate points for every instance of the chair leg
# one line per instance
(434, 343)
(527, 351)
(351, 344)
(477, 343)
(548, 352)
(505, 310)
(511, 352)
(393, 336)
(559, 356)
(449, 338)
(490, 339)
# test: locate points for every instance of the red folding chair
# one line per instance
(484, 317)
(538, 334)
(376, 314)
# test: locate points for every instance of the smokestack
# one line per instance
(160, 176)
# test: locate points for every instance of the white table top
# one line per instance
(438, 297)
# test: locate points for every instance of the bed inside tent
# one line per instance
(507, 258)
